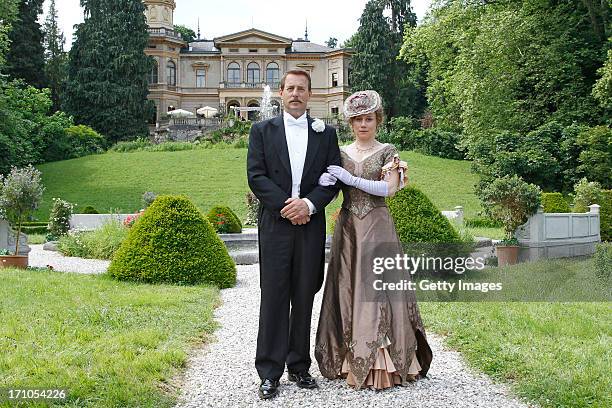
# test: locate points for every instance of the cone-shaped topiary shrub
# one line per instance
(172, 242)
(224, 220)
(418, 220)
(422, 229)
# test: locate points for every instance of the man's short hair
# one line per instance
(296, 72)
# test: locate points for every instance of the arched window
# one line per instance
(233, 104)
(272, 74)
(171, 74)
(154, 73)
(253, 73)
(233, 73)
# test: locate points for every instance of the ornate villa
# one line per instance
(233, 69)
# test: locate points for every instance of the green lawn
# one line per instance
(108, 343)
(215, 176)
(557, 354)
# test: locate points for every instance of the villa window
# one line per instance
(253, 73)
(171, 77)
(233, 73)
(334, 79)
(200, 78)
(154, 73)
(272, 74)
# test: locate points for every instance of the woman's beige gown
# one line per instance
(377, 343)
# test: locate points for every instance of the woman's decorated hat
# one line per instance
(362, 103)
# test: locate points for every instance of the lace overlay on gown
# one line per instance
(369, 343)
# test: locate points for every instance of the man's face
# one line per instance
(295, 94)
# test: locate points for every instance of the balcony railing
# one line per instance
(251, 85)
(164, 32)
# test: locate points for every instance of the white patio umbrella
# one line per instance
(207, 111)
(181, 113)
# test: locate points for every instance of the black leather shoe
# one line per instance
(303, 380)
(268, 389)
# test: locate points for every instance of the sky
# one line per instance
(326, 18)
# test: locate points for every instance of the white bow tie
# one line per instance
(301, 122)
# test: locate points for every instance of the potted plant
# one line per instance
(20, 194)
(511, 201)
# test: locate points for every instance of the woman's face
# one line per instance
(364, 126)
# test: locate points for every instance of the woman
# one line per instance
(372, 340)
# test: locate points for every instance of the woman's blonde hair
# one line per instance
(380, 118)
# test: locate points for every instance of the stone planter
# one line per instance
(14, 261)
(507, 255)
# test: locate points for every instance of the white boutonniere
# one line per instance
(318, 125)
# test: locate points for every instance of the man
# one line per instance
(285, 160)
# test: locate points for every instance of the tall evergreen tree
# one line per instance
(25, 58)
(375, 64)
(107, 69)
(56, 65)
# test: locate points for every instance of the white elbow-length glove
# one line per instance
(374, 187)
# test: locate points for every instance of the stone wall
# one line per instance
(559, 235)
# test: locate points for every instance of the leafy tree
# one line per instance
(56, 65)
(25, 57)
(350, 42)
(519, 80)
(602, 91)
(107, 70)
(8, 10)
(186, 33)
(332, 42)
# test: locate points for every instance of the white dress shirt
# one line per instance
(296, 132)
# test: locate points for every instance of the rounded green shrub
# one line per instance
(89, 210)
(172, 242)
(224, 220)
(418, 220)
(555, 203)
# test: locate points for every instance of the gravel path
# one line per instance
(223, 374)
(38, 257)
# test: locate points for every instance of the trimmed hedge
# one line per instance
(172, 242)
(482, 222)
(29, 230)
(224, 220)
(418, 220)
(605, 216)
(89, 210)
(555, 203)
(603, 261)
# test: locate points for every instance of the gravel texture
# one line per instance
(38, 257)
(223, 373)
